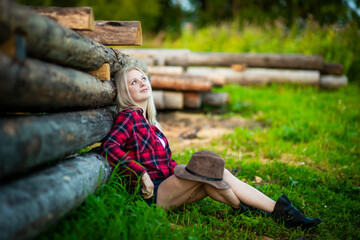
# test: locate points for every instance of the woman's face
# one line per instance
(139, 86)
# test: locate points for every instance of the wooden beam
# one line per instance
(70, 17)
(116, 33)
(31, 204)
(181, 82)
(35, 86)
(47, 40)
(34, 140)
(103, 73)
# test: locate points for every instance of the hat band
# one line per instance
(201, 176)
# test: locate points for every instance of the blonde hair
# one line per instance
(124, 100)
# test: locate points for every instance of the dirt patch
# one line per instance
(196, 130)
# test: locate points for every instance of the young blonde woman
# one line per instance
(138, 146)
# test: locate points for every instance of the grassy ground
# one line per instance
(307, 146)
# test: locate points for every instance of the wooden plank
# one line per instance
(333, 81)
(31, 204)
(116, 33)
(34, 140)
(35, 86)
(70, 17)
(181, 82)
(47, 40)
(103, 73)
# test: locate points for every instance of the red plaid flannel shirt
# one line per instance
(135, 144)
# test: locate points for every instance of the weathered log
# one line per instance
(261, 76)
(333, 81)
(14, 47)
(30, 205)
(103, 73)
(181, 82)
(29, 141)
(216, 99)
(37, 86)
(173, 100)
(47, 40)
(70, 17)
(192, 100)
(183, 57)
(116, 33)
(332, 69)
(292, 61)
(165, 70)
(159, 99)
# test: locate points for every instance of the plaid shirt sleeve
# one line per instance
(113, 145)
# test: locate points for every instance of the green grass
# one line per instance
(306, 144)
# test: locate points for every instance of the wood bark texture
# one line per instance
(116, 33)
(35, 202)
(35, 86)
(33, 140)
(181, 82)
(70, 17)
(48, 40)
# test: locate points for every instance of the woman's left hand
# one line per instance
(148, 186)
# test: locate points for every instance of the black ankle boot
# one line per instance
(292, 217)
(244, 208)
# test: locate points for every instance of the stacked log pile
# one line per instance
(53, 103)
(248, 68)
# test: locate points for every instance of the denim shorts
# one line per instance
(156, 182)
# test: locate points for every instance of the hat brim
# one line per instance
(182, 173)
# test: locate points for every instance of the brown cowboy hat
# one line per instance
(204, 166)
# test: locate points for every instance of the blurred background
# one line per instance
(330, 28)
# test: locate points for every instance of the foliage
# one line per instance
(262, 11)
(304, 143)
(335, 44)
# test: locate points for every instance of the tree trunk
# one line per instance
(159, 99)
(47, 40)
(261, 76)
(35, 202)
(70, 17)
(28, 141)
(34, 86)
(333, 81)
(181, 82)
(116, 33)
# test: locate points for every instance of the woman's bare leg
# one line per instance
(249, 195)
(175, 191)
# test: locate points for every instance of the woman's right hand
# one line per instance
(148, 186)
